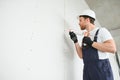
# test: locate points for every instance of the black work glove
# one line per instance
(73, 37)
(87, 41)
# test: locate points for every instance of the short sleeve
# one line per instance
(105, 34)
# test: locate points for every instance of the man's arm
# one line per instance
(77, 46)
(107, 46)
(78, 49)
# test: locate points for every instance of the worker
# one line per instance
(97, 43)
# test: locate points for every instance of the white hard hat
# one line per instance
(89, 13)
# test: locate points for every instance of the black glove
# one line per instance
(87, 41)
(73, 37)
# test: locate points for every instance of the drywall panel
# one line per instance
(31, 40)
(33, 44)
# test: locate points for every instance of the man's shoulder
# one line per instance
(103, 29)
(104, 34)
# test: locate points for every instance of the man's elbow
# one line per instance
(81, 57)
(114, 50)
(114, 47)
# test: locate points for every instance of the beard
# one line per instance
(82, 27)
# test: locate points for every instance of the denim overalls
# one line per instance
(94, 68)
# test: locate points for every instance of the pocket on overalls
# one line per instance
(105, 68)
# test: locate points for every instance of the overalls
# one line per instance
(94, 68)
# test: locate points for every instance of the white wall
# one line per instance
(31, 39)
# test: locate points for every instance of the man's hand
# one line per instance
(87, 41)
(73, 37)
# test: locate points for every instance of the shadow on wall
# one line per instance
(68, 44)
(68, 49)
(69, 55)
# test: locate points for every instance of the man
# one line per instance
(97, 43)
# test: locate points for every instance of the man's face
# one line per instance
(82, 23)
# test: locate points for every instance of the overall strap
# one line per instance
(95, 37)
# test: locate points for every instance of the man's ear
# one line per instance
(88, 19)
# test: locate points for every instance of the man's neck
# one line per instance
(90, 27)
